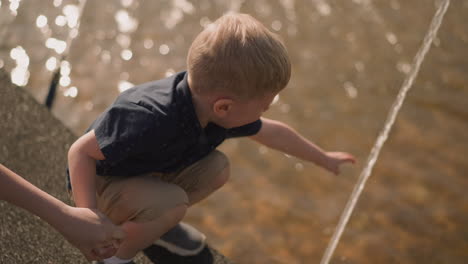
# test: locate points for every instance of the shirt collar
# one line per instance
(185, 105)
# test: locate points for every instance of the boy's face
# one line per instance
(239, 113)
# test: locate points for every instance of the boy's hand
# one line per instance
(335, 159)
(92, 233)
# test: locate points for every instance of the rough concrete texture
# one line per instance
(34, 144)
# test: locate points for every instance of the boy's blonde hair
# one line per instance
(239, 56)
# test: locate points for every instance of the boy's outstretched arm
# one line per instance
(82, 158)
(279, 136)
(86, 229)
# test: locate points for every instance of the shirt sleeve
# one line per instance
(245, 130)
(124, 130)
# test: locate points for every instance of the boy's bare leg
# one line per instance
(142, 234)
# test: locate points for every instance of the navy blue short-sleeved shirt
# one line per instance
(153, 127)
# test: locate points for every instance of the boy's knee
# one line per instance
(143, 200)
(222, 178)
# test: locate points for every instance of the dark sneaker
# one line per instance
(183, 240)
(99, 262)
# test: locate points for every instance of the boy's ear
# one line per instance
(221, 107)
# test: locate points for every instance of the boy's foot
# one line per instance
(183, 240)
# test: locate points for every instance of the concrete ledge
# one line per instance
(34, 144)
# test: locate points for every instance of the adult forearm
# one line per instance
(16, 190)
(82, 176)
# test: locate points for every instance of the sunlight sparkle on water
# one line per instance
(148, 43)
(169, 72)
(323, 8)
(58, 45)
(14, 4)
(125, 85)
(51, 64)
(164, 49)
(71, 92)
(126, 3)
(275, 100)
(72, 14)
(60, 21)
(65, 81)
(20, 74)
(41, 21)
(125, 22)
(391, 38)
(123, 40)
(350, 90)
(126, 54)
(276, 25)
(65, 68)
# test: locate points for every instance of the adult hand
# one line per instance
(91, 232)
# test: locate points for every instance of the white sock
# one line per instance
(116, 260)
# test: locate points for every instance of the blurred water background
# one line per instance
(349, 61)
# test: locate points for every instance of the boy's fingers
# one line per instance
(118, 234)
(106, 252)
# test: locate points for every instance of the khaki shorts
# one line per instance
(146, 197)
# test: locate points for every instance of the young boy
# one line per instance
(152, 154)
